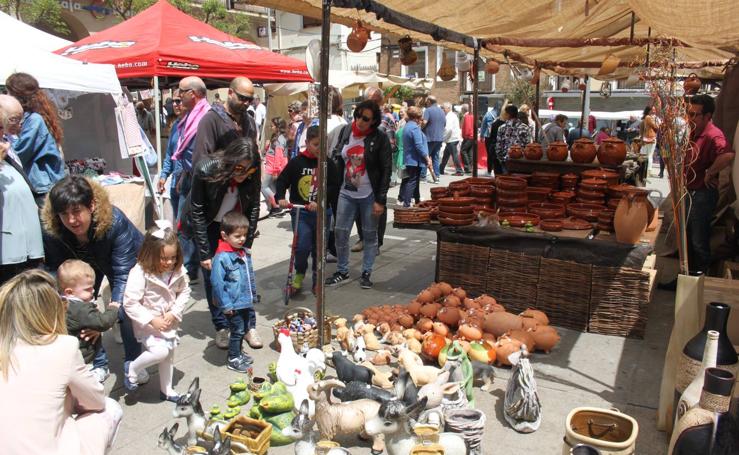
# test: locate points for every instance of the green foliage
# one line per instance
(402, 93)
(44, 14)
(519, 91)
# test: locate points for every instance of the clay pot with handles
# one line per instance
(533, 151)
(515, 152)
(612, 151)
(583, 151)
(632, 215)
(557, 151)
(692, 84)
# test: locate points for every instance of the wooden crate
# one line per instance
(512, 279)
(258, 445)
(564, 293)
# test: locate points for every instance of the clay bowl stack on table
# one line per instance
(547, 211)
(456, 211)
(605, 220)
(413, 215)
(483, 190)
(459, 188)
(545, 180)
(538, 194)
(588, 212)
(615, 193)
(439, 192)
(511, 194)
(562, 197)
(611, 177)
(592, 191)
(569, 182)
(433, 207)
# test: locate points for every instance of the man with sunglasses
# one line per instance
(224, 124)
(710, 153)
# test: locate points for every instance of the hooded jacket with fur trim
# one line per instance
(114, 242)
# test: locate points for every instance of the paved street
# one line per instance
(585, 369)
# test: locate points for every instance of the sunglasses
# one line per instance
(364, 117)
(241, 170)
(178, 101)
(243, 98)
(694, 114)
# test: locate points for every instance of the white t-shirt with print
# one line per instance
(356, 183)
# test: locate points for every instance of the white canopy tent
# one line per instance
(599, 115)
(34, 57)
(350, 81)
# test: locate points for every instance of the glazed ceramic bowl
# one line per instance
(520, 219)
(551, 225)
(456, 201)
(452, 222)
(456, 216)
(585, 211)
(456, 209)
(547, 211)
(513, 202)
(510, 183)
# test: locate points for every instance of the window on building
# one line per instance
(420, 68)
(468, 86)
(633, 83)
(311, 22)
(451, 57)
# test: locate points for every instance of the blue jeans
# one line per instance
(307, 239)
(238, 322)
(216, 314)
(346, 212)
(189, 249)
(101, 357)
(700, 207)
(410, 186)
(131, 346)
(434, 151)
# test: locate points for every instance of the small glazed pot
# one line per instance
(557, 151)
(583, 151)
(515, 152)
(533, 152)
(612, 152)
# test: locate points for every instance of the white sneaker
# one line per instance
(142, 377)
(101, 374)
(222, 339)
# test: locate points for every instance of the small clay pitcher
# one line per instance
(557, 151)
(515, 152)
(692, 84)
(632, 215)
(533, 152)
(612, 151)
(583, 151)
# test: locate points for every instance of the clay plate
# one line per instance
(510, 183)
(576, 224)
(456, 216)
(551, 225)
(466, 209)
(456, 201)
(451, 222)
(519, 219)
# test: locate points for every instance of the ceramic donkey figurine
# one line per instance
(166, 441)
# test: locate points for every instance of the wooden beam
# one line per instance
(581, 42)
(632, 64)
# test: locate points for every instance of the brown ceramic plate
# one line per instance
(551, 225)
(456, 216)
(456, 201)
(487, 181)
(520, 219)
(510, 183)
(576, 224)
(464, 209)
(595, 183)
(452, 222)
(517, 202)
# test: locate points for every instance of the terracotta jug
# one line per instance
(632, 216)
(583, 151)
(533, 151)
(557, 151)
(358, 38)
(612, 151)
(515, 152)
(692, 84)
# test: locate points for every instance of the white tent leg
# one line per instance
(158, 126)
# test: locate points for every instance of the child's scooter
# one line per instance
(293, 248)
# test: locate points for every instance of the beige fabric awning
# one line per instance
(560, 19)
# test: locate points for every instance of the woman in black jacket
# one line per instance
(225, 181)
(364, 161)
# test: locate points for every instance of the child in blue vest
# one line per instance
(234, 287)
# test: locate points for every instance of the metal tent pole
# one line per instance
(158, 128)
(475, 106)
(321, 177)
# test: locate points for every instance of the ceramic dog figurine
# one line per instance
(348, 371)
(344, 335)
(379, 378)
(420, 374)
(370, 339)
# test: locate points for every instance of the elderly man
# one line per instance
(468, 139)
(452, 137)
(21, 247)
(554, 131)
(220, 126)
(434, 121)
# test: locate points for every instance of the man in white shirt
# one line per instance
(260, 112)
(452, 137)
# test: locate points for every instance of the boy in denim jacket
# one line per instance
(234, 288)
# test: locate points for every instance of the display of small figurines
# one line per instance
(521, 407)
(301, 325)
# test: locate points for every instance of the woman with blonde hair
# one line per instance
(50, 398)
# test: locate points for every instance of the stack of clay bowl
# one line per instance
(592, 191)
(545, 180)
(483, 190)
(615, 193)
(433, 207)
(546, 210)
(533, 152)
(569, 182)
(439, 192)
(588, 212)
(456, 211)
(459, 188)
(611, 177)
(413, 215)
(562, 197)
(605, 220)
(511, 194)
(538, 194)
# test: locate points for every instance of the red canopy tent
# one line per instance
(164, 41)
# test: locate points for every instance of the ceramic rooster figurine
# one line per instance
(294, 370)
(522, 406)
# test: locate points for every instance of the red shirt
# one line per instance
(706, 147)
(468, 128)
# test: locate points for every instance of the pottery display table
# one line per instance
(595, 285)
(524, 166)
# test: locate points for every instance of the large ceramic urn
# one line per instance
(612, 151)
(583, 151)
(632, 215)
(557, 151)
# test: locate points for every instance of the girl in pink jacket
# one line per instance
(155, 297)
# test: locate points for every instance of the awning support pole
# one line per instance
(321, 177)
(475, 107)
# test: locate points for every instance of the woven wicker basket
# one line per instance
(514, 280)
(300, 338)
(618, 301)
(564, 294)
(464, 265)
